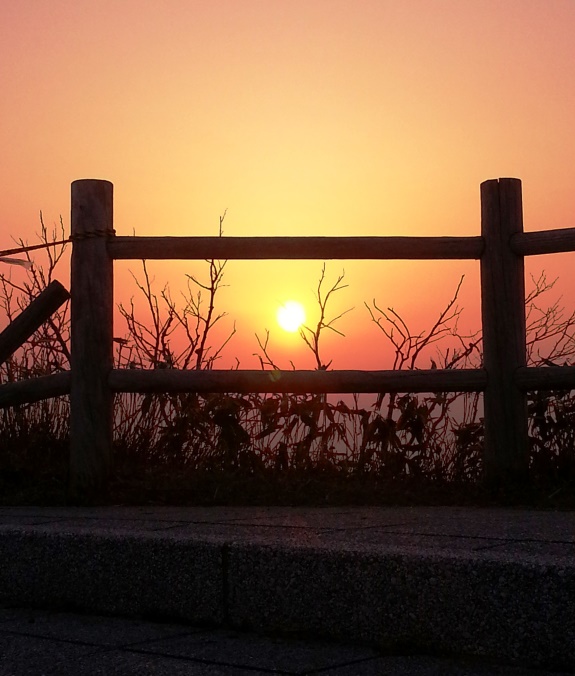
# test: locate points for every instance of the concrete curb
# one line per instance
(519, 610)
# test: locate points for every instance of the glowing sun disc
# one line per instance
(291, 316)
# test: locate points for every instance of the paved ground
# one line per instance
(33, 643)
(380, 586)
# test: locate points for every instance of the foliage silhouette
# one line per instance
(304, 449)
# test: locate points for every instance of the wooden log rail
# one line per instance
(298, 382)
(294, 382)
(34, 389)
(31, 319)
(333, 248)
(333, 382)
(504, 378)
(543, 242)
(295, 248)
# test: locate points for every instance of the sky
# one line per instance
(298, 117)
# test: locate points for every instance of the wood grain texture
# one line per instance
(298, 382)
(298, 248)
(543, 242)
(31, 318)
(503, 323)
(92, 304)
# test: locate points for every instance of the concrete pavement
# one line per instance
(37, 643)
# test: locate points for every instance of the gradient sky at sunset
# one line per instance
(300, 117)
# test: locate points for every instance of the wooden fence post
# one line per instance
(506, 459)
(92, 302)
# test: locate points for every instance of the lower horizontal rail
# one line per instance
(34, 389)
(298, 382)
(545, 378)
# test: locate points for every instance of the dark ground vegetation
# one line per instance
(281, 449)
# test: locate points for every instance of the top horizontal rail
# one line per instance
(326, 248)
(295, 248)
(543, 242)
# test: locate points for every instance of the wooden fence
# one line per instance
(16, 333)
(504, 378)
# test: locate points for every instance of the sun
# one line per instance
(291, 316)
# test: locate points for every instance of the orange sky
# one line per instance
(376, 117)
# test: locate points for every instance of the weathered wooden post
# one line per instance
(91, 288)
(506, 459)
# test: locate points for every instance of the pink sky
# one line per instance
(324, 117)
